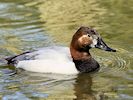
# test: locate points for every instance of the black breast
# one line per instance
(86, 66)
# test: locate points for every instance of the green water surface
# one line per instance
(30, 24)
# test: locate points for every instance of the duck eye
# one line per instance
(92, 31)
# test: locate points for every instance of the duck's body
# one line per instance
(62, 60)
(54, 59)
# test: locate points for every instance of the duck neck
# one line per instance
(79, 53)
(83, 61)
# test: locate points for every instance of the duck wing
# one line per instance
(23, 56)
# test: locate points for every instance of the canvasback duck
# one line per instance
(63, 60)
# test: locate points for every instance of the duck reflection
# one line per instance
(83, 91)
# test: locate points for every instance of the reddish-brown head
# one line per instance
(84, 39)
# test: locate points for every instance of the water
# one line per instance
(31, 24)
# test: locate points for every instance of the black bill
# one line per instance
(102, 45)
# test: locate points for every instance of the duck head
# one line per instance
(86, 38)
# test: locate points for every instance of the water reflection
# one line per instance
(84, 91)
(29, 85)
(82, 87)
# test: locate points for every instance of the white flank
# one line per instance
(50, 60)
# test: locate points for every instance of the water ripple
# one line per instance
(117, 61)
(27, 24)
